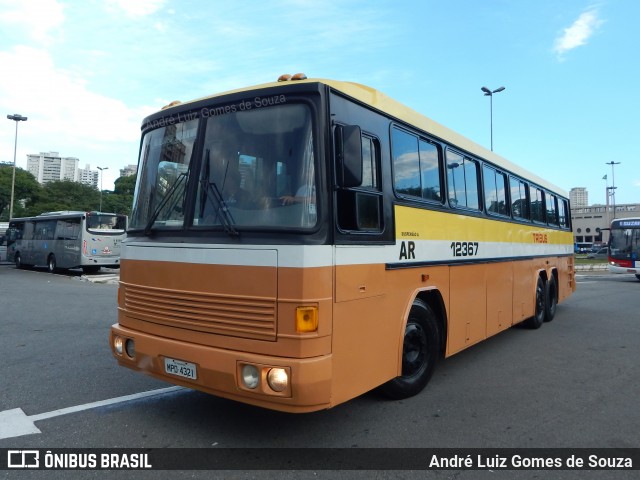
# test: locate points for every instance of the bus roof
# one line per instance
(388, 105)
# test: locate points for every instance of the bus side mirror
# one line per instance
(349, 155)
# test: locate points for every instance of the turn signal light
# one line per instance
(306, 319)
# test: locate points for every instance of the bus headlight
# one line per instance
(118, 345)
(278, 379)
(250, 376)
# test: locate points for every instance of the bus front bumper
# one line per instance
(220, 372)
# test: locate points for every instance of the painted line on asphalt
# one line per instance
(15, 423)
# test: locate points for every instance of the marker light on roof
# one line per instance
(299, 76)
(285, 77)
(172, 104)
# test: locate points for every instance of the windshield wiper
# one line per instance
(214, 197)
(170, 193)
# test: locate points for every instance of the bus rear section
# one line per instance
(65, 240)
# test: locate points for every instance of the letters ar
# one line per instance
(407, 250)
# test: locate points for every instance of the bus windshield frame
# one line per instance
(624, 240)
(252, 169)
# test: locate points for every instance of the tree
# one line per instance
(64, 195)
(125, 185)
(114, 203)
(25, 189)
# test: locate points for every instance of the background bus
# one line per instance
(624, 246)
(3, 241)
(67, 239)
(296, 244)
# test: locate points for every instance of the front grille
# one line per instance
(236, 316)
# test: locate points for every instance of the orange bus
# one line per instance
(295, 244)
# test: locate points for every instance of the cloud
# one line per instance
(65, 115)
(38, 19)
(135, 8)
(578, 33)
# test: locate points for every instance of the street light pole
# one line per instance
(489, 93)
(16, 118)
(101, 175)
(613, 185)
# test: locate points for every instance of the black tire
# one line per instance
(17, 259)
(551, 300)
(52, 266)
(541, 306)
(637, 276)
(420, 352)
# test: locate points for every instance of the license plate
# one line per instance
(180, 368)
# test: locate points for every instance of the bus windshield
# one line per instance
(625, 243)
(255, 170)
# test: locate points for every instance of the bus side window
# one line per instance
(360, 207)
(537, 205)
(519, 198)
(462, 175)
(494, 191)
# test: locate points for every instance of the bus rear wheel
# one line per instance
(552, 299)
(17, 259)
(638, 276)
(420, 351)
(541, 306)
(52, 266)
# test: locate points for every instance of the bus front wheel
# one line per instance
(420, 351)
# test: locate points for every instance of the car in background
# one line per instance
(601, 253)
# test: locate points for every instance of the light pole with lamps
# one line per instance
(489, 93)
(16, 118)
(101, 175)
(613, 185)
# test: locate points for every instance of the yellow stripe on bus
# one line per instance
(421, 224)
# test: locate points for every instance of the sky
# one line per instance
(87, 72)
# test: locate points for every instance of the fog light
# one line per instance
(130, 348)
(278, 379)
(117, 345)
(250, 376)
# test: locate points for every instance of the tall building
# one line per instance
(579, 197)
(50, 167)
(128, 170)
(88, 176)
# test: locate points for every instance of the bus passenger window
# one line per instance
(462, 175)
(416, 165)
(494, 191)
(552, 211)
(537, 205)
(519, 198)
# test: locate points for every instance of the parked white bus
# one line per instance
(68, 239)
